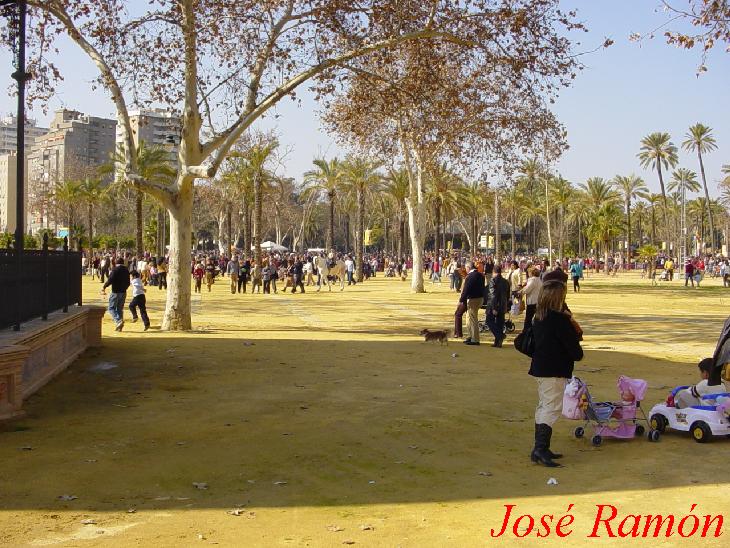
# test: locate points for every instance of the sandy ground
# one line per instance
(328, 422)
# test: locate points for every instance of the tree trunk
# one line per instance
(161, 231)
(401, 235)
(664, 199)
(416, 218)
(475, 235)
(330, 238)
(514, 243)
(347, 232)
(222, 232)
(246, 228)
(416, 222)
(443, 233)
(90, 214)
(277, 224)
(710, 215)
(653, 226)
(580, 239)
(138, 214)
(229, 222)
(177, 308)
(628, 233)
(437, 235)
(547, 218)
(257, 189)
(359, 233)
(497, 230)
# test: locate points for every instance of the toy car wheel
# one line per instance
(658, 422)
(596, 440)
(640, 430)
(700, 432)
(653, 435)
(578, 432)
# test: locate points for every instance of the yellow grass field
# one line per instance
(328, 422)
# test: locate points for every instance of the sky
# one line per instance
(624, 93)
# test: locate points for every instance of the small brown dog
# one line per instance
(440, 336)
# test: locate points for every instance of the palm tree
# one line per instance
(327, 179)
(599, 192)
(257, 157)
(67, 196)
(561, 195)
(657, 151)
(153, 164)
(654, 201)
(442, 196)
(529, 181)
(472, 203)
(640, 212)
(362, 177)
(683, 181)
(699, 139)
(93, 193)
(630, 187)
(604, 227)
(396, 185)
(579, 215)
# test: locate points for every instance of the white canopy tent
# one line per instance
(271, 246)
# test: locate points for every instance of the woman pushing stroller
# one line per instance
(556, 347)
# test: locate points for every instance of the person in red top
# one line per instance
(198, 275)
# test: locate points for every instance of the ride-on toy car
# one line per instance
(703, 421)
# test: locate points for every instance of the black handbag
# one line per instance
(525, 342)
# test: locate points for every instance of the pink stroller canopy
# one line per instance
(636, 386)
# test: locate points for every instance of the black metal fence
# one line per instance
(50, 281)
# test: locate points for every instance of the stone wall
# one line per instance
(31, 357)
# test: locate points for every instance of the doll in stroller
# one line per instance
(617, 419)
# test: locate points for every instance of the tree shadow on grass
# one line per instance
(308, 423)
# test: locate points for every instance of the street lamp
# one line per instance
(21, 76)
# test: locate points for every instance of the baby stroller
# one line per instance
(509, 324)
(608, 419)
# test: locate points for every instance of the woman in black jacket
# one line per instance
(557, 346)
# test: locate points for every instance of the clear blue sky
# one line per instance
(624, 93)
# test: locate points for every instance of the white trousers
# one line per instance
(550, 395)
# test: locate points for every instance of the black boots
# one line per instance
(541, 453)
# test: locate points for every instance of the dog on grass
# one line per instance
(440, 336)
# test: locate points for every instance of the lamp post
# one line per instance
(21, 76)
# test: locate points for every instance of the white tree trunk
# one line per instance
(222, 238)
(177, 308)
(415, 202)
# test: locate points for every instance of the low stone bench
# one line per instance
(31, 357)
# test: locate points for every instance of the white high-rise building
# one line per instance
(75, 144)
(9, 134)
(9, 190)
(155, 127)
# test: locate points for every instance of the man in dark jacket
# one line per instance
(497, 305)
(119, 281)
(471, 299)
(298, 275)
